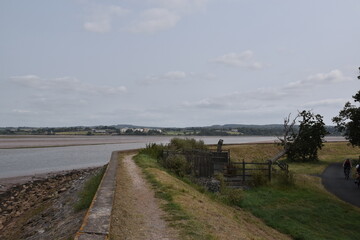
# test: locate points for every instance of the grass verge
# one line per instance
(87, 194)
(303, 213)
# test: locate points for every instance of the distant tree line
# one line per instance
(251, 130)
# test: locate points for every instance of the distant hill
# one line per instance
(229, 126)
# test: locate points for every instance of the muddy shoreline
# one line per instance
(42, 206)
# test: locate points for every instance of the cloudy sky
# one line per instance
(175, 63)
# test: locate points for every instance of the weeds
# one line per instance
(153, 150)
(87, 194)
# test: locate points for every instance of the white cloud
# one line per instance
(327, 102)
(21, 111)
(101, 18)
(178, 77)
(67, 84)
(242, 60)
(210, 103)
(160, 15)
(31, 81)
(334, 76)
(175, 75)
(172, 76)
(181, 5)
(268, 94)
(155, 20)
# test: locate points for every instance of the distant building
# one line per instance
(123, 130)
(99, 131)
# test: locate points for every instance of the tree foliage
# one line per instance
(303, 146)
(348, 121)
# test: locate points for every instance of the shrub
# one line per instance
(186, 144)
(259, 178)
(284, 178)
(177, 164)
(220, 177)
(153, 150)
(232, 196)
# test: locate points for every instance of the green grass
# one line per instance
(304, 210)
(303, 213)
(330, 153)
(87, 194)
(176, 216)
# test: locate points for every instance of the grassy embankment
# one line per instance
(199, 215)
(303, 210)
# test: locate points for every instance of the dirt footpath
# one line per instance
(136, 212)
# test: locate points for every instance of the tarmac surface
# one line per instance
(334, 181)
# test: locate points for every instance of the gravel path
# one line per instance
(136, 213)
(334, 181)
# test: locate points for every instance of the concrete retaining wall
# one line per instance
(96, 224)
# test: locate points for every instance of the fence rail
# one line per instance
(243, 172)
(203, 163)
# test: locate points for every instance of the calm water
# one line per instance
(20, 162)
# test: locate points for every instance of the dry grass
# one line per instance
(253, 152)
(216, 219)
(331, 152)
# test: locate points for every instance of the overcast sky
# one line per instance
(175, 63)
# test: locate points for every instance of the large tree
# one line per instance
(309, 138)
(348, 121)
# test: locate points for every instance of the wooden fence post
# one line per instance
(270, 170)
(243, 170)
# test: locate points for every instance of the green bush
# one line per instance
(177, 164)
(220, 177)
(232, 196)
(284, 178)
(153, 150)
(259, 178)
(186, 144)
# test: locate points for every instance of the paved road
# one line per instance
(334, 181)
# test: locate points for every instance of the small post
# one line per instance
(243, 170)
(270, 170)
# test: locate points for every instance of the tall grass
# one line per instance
(87, 194)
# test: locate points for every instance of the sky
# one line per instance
(175, 63)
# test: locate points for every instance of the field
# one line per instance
(302, 210)
(331, 152)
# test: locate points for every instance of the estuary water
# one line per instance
(29, 161)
